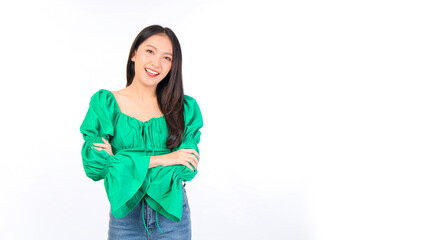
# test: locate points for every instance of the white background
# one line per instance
(313, 115)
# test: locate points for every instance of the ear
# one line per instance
(133, 55)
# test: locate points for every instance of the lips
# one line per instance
(151, 72)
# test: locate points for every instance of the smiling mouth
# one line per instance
(151, 73)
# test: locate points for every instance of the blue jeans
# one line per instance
(131, 227)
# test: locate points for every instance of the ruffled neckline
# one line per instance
(128, 116)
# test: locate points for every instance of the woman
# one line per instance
(142, 140)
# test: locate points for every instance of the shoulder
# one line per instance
(101, 114)
(103, 100)
(191, 108)
(189, 101)
(190, 104)
(102, 96)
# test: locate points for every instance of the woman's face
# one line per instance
(153, 59)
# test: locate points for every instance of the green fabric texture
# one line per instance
(126, 174)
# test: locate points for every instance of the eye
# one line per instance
(168, 58)
(148, 50)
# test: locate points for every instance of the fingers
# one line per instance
(106, 149)
(103, 146)
(106, 143)
(100, 145)
(191, 150)
(193, 160)
(98, 149)
(188, 166)
(186, 158)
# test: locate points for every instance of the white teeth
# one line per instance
(150, 71)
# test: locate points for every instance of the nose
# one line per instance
(156, 60)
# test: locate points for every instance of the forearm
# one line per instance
(155, 161)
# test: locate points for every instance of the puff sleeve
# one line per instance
(125, 171)
(193, 123)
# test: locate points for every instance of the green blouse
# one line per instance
(126, 174)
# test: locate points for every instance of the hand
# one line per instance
(104, 146)
(183, 157)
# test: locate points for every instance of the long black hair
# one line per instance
(169, 91)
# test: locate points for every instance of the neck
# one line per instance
(142, 92)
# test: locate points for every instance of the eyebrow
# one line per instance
(157, 49)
